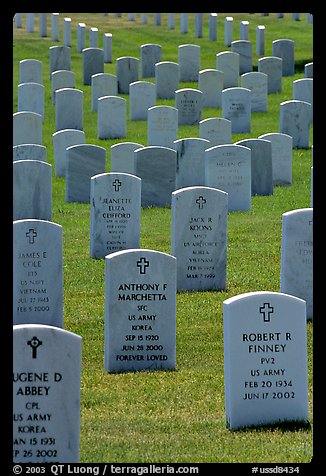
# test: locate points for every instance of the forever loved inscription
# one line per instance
(265, 359)
(140, 311)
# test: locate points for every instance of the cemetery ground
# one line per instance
(174, 416)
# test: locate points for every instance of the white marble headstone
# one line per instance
(115, 213)
(189, 62)
(29, 152)
(281, 157)
(92, 62)
(61, 141)
(166, 79)
(27, 128)
(140, 311)
(156, 166)
(295, 120)
(122, 157)
(83, 161)
(272, 66)
(32, 189)
(127, 71)
(46, 394)
(162, 126)
(265, 359)
(69, 109)
(37, 273)
(297, 255)
(228, 168)
(189, 103)
(236, 106)
(199, 237)
(190, 161)
(261, 165)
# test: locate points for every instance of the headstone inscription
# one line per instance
(37, 273)
(32, 189)
(189, 103)
(46, 394)
(156, 166)
(115, 213)
(236, 106)
(228, 168)
(140, 311)
(199, 237)
(83, 161)
(265, 359)
(297, 256)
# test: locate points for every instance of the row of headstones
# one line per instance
(198, 241)
(163, 121)
(248, 167)
(232, 63)
(184, 25)
(265, 355)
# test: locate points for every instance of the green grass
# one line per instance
(174, 416)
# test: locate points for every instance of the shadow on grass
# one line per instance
(286, 426)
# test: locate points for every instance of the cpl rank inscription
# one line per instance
(33, 437)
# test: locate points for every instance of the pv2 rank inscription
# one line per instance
(268, 377)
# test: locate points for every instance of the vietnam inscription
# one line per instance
(37, 265)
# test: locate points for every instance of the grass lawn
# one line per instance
(174, 416)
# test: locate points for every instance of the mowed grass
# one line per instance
(174, 416)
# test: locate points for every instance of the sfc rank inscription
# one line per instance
(140, 314)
